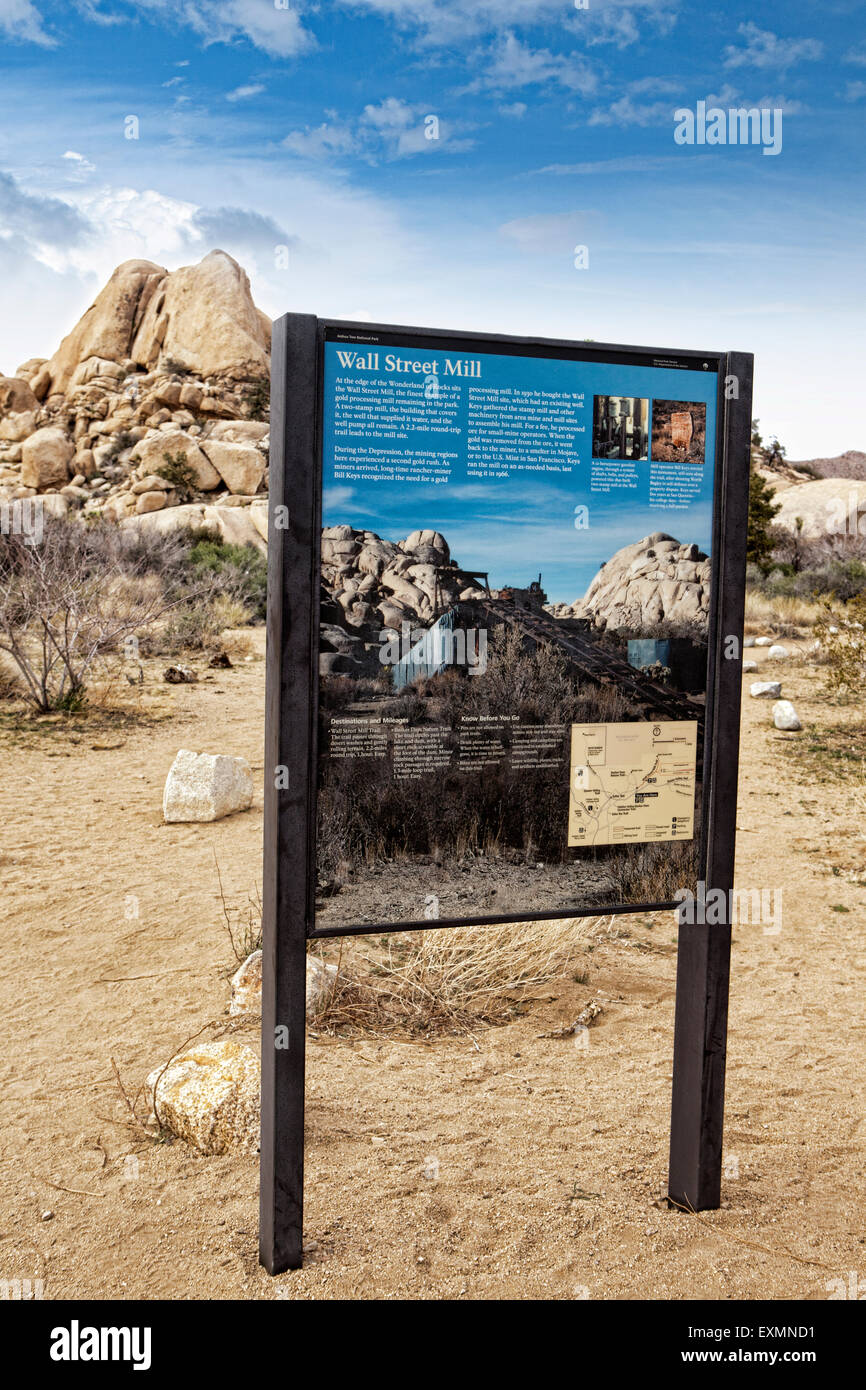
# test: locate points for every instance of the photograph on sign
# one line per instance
(513, 626)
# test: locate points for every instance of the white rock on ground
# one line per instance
(767, 690)
(206, 787)
(778, 653)
(785, 716)
(210, 1096)
(763, 641)
(246, 985)
(750, 666)
(748, 641)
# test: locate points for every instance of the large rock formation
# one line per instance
(826, 507)
(370, 584)
(201, 317)
(155, 398)
(655, 581)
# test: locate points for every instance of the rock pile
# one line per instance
(156, 398)
(655, 580)
(370, 584)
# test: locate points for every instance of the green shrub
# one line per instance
(257, 398)
(241, 570)
(177, 471)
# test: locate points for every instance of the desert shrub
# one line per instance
(782, 613)
(69, 603)
(844, 577)
(120, 442)
(843, 647)
(198, 622)
(240, 570)
(257, 398)
(173, 367)
(654, 873)
(175, 469)
(242, 921)
(366, 814)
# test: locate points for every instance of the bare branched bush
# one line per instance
(243, 923)
(67, 604)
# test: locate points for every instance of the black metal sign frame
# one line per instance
(291, 720)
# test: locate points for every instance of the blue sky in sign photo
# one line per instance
(307, 127)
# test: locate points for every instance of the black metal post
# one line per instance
(289, 797)
(704, 949)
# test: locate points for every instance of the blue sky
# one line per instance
(304, 127)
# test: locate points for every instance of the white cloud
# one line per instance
(79, 162)
(630, 110)
(625, 164)
(392, 129)
(447, 23)
(405, 130)
(626, 111)
(512, 64)
(766, 50)
(20, 20)
(855, 91)
(279, 32)
(45, 225)
(328, 141)
(555, 232)
(252, 89)
(440, 23)
(516, 110)
(337, 496)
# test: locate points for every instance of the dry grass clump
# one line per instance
(782, 614)
(451, 979)
(237, 643)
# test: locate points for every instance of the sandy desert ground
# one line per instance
(551, 1158)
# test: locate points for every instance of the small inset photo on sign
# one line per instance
(679, 431)
(620, 427)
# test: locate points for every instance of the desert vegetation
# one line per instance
(87, 602)
(450, 981)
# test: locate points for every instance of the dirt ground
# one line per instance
(506, 1165)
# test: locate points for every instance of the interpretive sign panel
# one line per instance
(506, 561)
(505, 616)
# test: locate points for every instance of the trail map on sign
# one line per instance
(632, 782)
